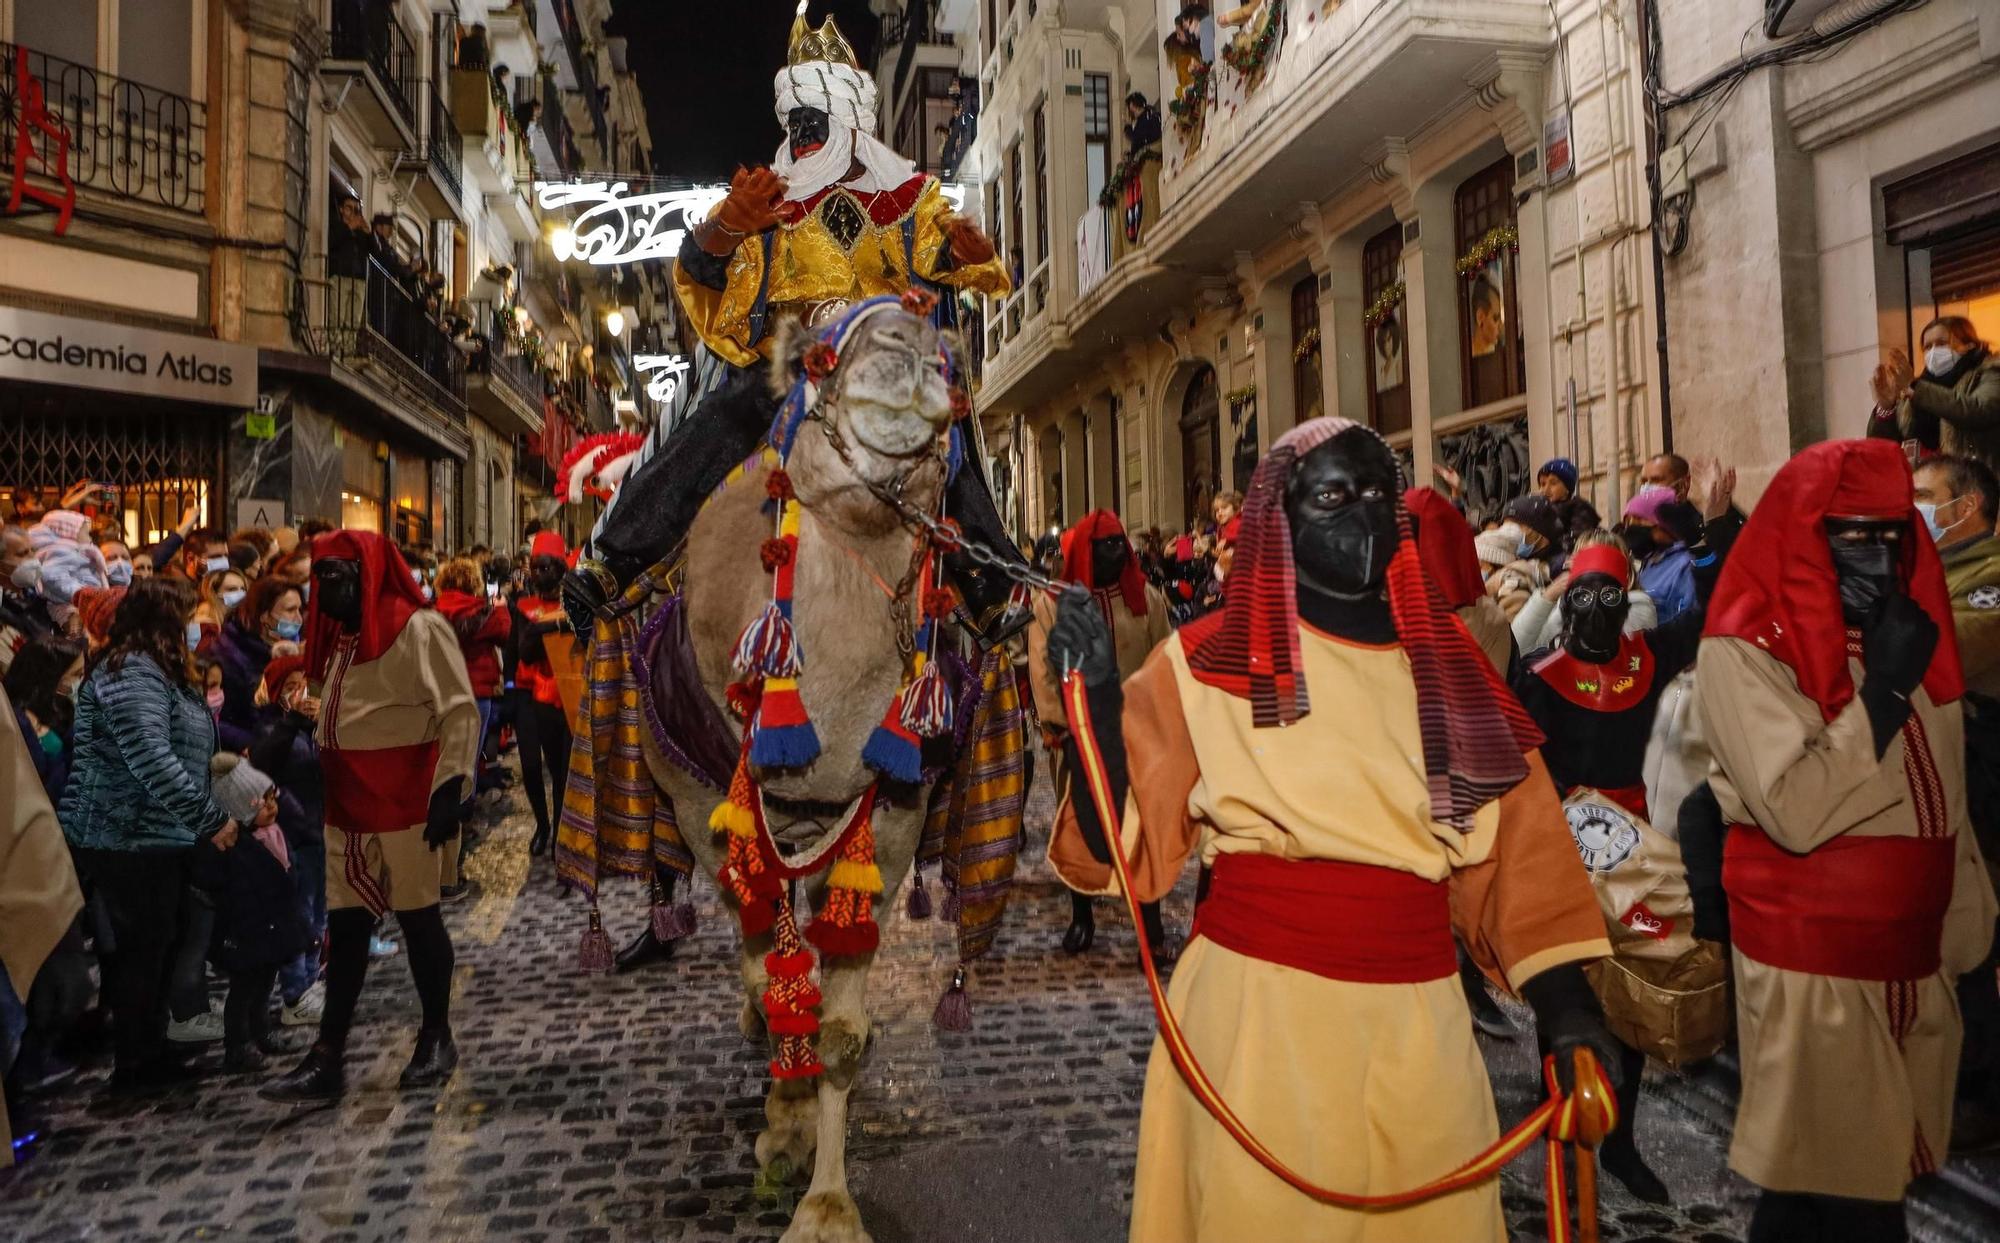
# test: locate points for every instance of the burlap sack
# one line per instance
(1663, 991)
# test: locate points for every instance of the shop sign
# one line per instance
(1558, 159)
(88, 353)
(270, 515)
(260, 426)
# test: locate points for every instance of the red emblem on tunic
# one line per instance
(1610, 687)
(1642, 921)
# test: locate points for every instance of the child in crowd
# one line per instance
(258, 925)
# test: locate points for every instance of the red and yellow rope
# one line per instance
(1559, 1119)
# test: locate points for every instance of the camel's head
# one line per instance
(882, 385)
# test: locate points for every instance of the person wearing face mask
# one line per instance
(272, 611)
(1666, 566)
(1594, 696)
(398, 732)
(1951, 405)
(1098, 558)
(1829, 691)
(42, 682)
(221, 592)
(1362, 783)
(837, 217)
(547, 655)
(203, 552)
(1518, 552)
(1958, 499)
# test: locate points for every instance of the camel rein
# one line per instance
(1583, 1117)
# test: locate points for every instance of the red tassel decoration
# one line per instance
(789, 1001)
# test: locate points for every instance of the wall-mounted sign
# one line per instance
(270, 515)
(1558, 160)
(260, 426)
(90, 353)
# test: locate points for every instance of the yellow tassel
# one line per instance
(733, 818)
(860, 877)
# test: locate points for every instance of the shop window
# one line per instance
(1201, 444)
(410, 485)
(156, 458)
(1489, 320)
(1307, 402)
(1016, 257)
(1096, 133)
(1385, 332)
(361, 480)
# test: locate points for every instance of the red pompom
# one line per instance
(778, 486)
(820, 360)
(774, 553)
(919, 301)
(939, 603)
(744, 697)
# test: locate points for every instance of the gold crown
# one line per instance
(825, 44)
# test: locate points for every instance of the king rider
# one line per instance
(1405, 798)
(838, 217)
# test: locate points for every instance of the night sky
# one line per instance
(706, 71)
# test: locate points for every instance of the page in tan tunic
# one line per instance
(1832, 1102)
(1370, 1088)
(416, 692)
(39, 895)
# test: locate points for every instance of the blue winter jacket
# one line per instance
(138, 777)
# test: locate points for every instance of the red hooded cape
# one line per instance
(389, 597)
(1096, 525)
(1779, 590)
(1444, 546)
(1476, 734)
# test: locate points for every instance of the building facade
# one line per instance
(420, 375)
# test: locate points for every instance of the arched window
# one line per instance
(1387, 332)
(1489, 320)
(1201, 443)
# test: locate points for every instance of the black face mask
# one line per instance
(337, 590)
(1868, 574)
(1108, 558)
(1591, 627)
(1341, 503)
(806, 128)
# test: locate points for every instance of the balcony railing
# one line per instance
(126, 139)
(372, 319)
(443, 144)
(367, 31)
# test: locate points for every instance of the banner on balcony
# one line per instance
(89, 353)
(1093, 249)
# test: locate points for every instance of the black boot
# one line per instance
(243, 1059)
(436, 1056)
(644, 950)
(319, 1079)
(1082, 925)
(1619, 1154)
(1487, 1015)
(538, 845)
(1165, 946)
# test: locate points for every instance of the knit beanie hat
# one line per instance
(237, 787)
(1537, 515)
(1563, 469)
(96, 606)
(1496, 547)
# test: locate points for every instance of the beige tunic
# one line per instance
(1133, 637)
(1832, 1102)
(1369, 1088)
(39, 895)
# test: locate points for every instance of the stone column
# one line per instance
(265, 107)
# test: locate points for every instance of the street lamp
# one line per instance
(614, 322)
(562, 243)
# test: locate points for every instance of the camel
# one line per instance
(890, 405)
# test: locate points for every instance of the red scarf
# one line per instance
(389, 598)
(1779, 590)
(1476, 734)
(1096, 525)
(1444, 546)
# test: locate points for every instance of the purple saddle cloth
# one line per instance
(687, 726)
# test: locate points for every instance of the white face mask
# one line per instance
(193, 635)
(119, 573)
(216, 565)
(232, 598)
(1940, 359)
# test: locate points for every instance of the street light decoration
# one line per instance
(613, 225)
(663, 374)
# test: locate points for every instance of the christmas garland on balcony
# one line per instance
(1488, 248)
(1191, 102)
(1128, 171)
(1307, 344)
(1237, 398)
(1386, 301)
(1251, 57)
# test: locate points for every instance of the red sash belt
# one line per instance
(1856, 908)
(1342, 921)
(380, 790)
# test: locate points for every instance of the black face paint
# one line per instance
(1108, 558)
(337, 590)
(1341, 503)
(1593, 611)
(807, 129)
(545, 575)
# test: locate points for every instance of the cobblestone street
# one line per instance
(623, 1108)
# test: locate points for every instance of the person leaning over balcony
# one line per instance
(1954, 405)
(1142, 123)
(348, 249)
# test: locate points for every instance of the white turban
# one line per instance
(847, 96)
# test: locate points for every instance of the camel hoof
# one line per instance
(826, 1217)
(751, 1021)
(774, 1187)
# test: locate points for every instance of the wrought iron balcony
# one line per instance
(126, 139)
(370, 321)
(444, 145)
(366, 31)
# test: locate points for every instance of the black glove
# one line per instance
(441, 824)
(1897, 643)
(1682, 520)
(585, 590)
(1567, 1015)
(1080, 639)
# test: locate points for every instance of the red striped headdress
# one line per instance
(1476, 734)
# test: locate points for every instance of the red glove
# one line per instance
(751, 208)
(969, 245)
